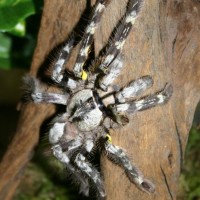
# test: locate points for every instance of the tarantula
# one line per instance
(94, 105)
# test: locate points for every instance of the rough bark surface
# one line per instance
(165, 43)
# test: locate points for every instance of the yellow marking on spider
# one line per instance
(84, 75)
(109, 139)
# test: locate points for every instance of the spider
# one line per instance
(94, 105)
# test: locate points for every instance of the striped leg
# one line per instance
(91, 172)
(65, 145)
(121, 34)
(88, 38)
(44, 97)
(66, 151)
(134, 89)
(35, 93)
(115, 69)
(119, 157)
(58, 70)
(145, 103)
(112, 59)
(87, 168)
(65, 158)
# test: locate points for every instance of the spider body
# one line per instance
(87, 114)
(94, 104)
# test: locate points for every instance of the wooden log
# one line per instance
(164, 44)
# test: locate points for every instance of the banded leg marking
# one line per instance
(118, 156)
(45, 97)
(146, 103)
(88, 169)
(58, 70)
(91, 172)
(88, 37)
(115, 69)
(35, 93)
(64, 158)
(64, 149)
(134, 89)
(121, 34)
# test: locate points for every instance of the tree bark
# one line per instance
(164, 44)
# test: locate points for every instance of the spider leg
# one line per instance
(145, 103)
(88, 38)
(121, 34)
(86, 167)
(134, 89)
(66, 143)
(112, 59)
(58, 69)
(35, 93)
(114, 70)
(91, 172)
(65, 158)
(59, 74)
(119, 157)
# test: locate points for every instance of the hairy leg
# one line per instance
(145, 103)
(89, 146)
(88, 38)
(119, 157)
(115, 69)
(122, 32)
(65, 158)
(92, 173)
(35, 93)
(112, 62)
(134, 89)
(66, 142)
(58, 70)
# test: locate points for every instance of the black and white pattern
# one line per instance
(93, 105)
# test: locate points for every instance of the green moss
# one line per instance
(37, 184)
(190, 177)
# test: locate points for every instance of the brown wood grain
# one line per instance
(164, 44)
